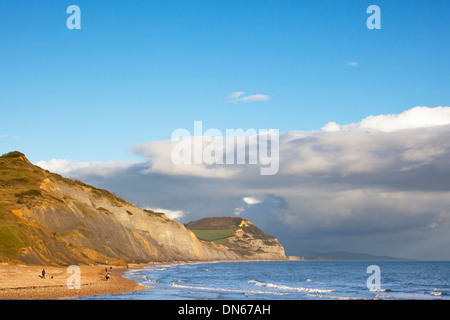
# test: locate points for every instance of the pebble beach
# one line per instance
(26, 282)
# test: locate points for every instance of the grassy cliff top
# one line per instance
(219, 229)
(19, 180)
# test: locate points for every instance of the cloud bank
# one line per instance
(380, 186)
(418, 117)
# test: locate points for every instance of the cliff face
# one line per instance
(47, 219)
(240, 236)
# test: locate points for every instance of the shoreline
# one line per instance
(24, 282)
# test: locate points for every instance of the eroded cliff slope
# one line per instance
(48, 219)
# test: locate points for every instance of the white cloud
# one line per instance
(59, 166)
(352, 63)
(251, 200)
(423, 154)
(336, 150)
(331, 127)
(171, 214)
(159, 156)
(418, 117)
(254, 97)
(211, 157)
(238, 97)
(238, 211)
(233, 97)
(67, 167)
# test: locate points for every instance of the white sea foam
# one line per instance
(287, 288)
(133, 271)
(377, 297)
(333, 297)
(247, 292)
(148, 280)
(380, 290)
(156, 269)
(437, 293)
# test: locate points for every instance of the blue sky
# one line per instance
(137, 70)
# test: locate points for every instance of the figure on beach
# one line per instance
(107, 276)
(43, 273)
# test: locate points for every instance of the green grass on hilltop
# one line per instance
(218, 236)
(219, 229)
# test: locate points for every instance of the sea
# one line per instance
(291, 280)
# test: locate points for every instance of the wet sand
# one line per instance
(26, 282)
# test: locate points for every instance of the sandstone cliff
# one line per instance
(47, 219)
(240, 236)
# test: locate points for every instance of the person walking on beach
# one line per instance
(43, 273)
(107, 276)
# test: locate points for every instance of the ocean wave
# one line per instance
(246, 292)
(322, 296)
(380, 290)
(156, 269)
(437, 293)
(378, 297)
(150, 280)
(331, 297)
(287, 288)
(133, 271)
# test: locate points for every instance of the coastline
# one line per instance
(24, 282)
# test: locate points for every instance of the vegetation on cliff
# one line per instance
(236, 233)
(48, 219)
